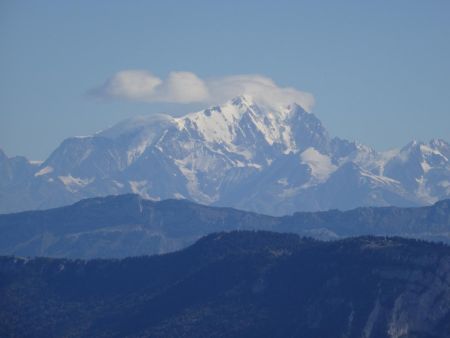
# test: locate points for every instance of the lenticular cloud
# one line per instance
(187, 87)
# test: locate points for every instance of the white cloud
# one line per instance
(140, 85)
(186, 87)
(261, 88)
(131, 85)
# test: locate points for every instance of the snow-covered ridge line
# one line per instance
(241, 154)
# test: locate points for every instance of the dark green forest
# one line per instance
(236, 284)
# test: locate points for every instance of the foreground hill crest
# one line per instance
(242, 154)
(238, 284)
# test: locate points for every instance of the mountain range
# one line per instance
(243, 154)
(238, 284)
(128, 225)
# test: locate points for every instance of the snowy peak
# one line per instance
(239, 122)
(136, 125)
(244, 153)
(242, 120)
(427, 156)
(423, 168)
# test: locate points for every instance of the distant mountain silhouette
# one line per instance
(128, 225)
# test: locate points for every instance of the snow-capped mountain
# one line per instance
(244, 154)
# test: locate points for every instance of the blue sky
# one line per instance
(379, 71)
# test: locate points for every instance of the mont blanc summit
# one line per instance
(268, 158)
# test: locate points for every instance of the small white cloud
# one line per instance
(187, 87)
(184, 87)
(140, 85)
(130, 85)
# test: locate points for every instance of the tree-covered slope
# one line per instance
(238, 284)
(128, 225)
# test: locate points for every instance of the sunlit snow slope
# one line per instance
(241, 154)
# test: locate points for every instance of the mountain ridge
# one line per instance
(241, 154)
(129, 225)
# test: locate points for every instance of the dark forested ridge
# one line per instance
(127, 225)
(238, 284)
